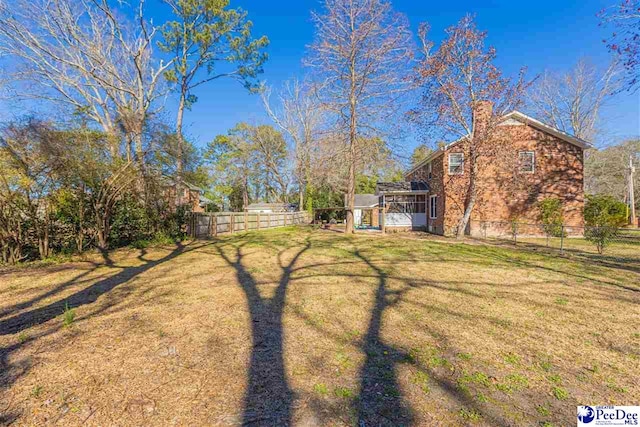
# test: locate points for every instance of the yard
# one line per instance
(307, 327)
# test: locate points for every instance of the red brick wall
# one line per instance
(504, 193)
(191, 198)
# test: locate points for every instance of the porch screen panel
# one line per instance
(409, 203)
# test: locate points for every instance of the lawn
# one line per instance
(303, 327)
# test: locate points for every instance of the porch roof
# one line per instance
(415, 187)
(363, 201)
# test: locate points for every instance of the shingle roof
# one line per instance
(399, 187)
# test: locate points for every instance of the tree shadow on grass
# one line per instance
(76, 280)
(268, 399)
(11, 371)
(380, 401)
(85, 296)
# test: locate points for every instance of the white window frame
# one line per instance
(433, 207)
(533, 161)
(461, 164)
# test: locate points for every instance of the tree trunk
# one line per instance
(113, 141)
(351, 185)
(137, 137)
(180, 148)
(245, 193)
(102, 225)
(42, 231)
(47, 226)
(80, 236)
(351, 196)
(301, 199)
(129, 144)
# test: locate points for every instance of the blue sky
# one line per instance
(542, 34)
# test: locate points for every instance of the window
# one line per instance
(433, 207)
(456, 164)
(429, 170)
(526, 161)
(406, 203)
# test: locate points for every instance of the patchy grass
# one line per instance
(303, 327)
(560, 393)
(68, 316)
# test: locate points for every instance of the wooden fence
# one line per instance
(203, 225)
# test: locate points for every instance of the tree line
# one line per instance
(102, 165)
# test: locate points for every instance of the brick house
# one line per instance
(535, 161)
(181, 193)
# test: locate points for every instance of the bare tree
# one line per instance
(465, 96)
(361, 56)
(271, 152)
(84, 54)
(300, 117)
(606, 169)
(625, 40)
(52, 53)
(572, 102)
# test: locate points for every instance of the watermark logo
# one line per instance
(589, 416)
(586, 414)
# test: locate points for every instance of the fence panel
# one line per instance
(203, 225)
(613, 242)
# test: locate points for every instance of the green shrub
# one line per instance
(551, 216)
(161, 238)
(603, 215)
(130, 222)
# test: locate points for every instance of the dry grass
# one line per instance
(318, 328)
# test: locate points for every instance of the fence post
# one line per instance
(258, 216)
(246, 222)
(269, 220)
(285, 218)
(383, 220)
(215, 225)
(232, 223)
(562, 240)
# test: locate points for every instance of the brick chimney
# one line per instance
(482, 111)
